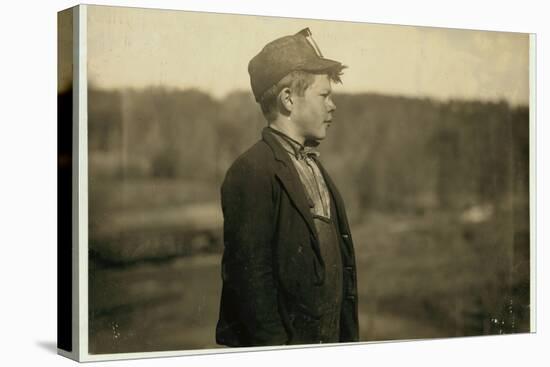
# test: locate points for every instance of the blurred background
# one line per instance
(429, 148)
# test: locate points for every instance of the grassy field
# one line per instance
(419, 277)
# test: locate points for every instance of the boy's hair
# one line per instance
(298, 81)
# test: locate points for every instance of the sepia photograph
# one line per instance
(264, 181)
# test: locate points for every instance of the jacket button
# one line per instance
(345, 236)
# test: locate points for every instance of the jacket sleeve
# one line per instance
(248, 266)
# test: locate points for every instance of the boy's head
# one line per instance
(290, 62)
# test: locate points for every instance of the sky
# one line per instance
(133, 47)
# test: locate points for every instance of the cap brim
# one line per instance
(322, 64)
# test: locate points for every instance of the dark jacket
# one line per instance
(271, 266)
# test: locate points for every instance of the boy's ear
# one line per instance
(285, 99)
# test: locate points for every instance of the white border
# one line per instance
(532, 178)
(82, 110)
(75, 188)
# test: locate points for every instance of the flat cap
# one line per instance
(284, 55)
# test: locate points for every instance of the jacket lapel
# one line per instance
(287, 175)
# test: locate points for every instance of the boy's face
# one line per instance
(312, 112)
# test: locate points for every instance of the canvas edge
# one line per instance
(66, 294)
(80, 213)
(79, 194)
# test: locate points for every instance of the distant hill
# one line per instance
(385, 152)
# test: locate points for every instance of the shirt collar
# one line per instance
(292, 146)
